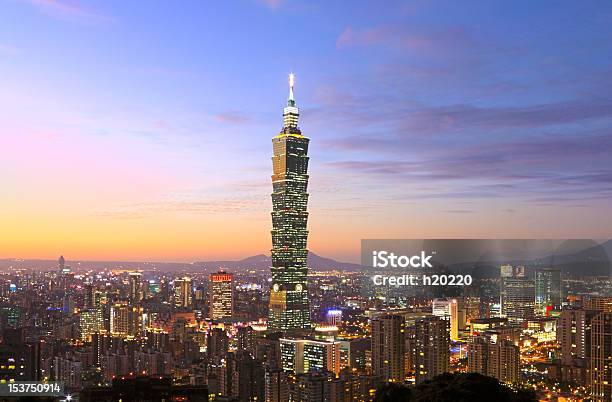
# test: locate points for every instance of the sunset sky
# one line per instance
(141, 130)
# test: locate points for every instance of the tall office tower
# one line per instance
(164, 289)
(217, 343)
(304, 355)
(448, 309)
(125, 320)
(601, 357)
(221, 303)
(504, 361)
(182, 292)
(89, 301)
(100, 298)
(276, 386)
(100, 343)
(472, 308)
(250, 382)
(574, 334)
(245, 339)
(63, 273)
(289, 307)
(135, 280)
(494, 359)
(120, 319)
(547, 289)
(388, 346)
(91, 321)
(432, 348)
(517, 295)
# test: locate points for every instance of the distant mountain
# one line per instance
(262, 261)
(259, 261)
(593, 260)
(575, 257)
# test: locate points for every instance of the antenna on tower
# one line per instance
(291, 83)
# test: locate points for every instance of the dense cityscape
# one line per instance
(131, 331)
(206, 333)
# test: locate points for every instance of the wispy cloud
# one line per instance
(232, 117)
(70, 10)
(401, 38)
(8, 49)
(272, 4)
(460, 211)
(192, 207)
(436, 119)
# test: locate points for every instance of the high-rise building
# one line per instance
(431, 348)
(221, 303)
(248, 378)
(217, 343)
(353, 353)
(119, 319)
(125, 320)
(601, 357)
(517, 295)
(472, 309)
(574, 334)
(91, 321)
(311, 387)
(289, 307)
(182, 292)
(448, 309)
(494, 359)
(89, 296)
(276, 385)
(388, 346)
(20, 360)
(547, 289)
(135, 280)
(245, 339)
(599, 303)
(305, 355)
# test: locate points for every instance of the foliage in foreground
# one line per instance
(457, 387)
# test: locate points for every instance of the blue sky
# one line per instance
(152, 121)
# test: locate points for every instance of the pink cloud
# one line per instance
(352, 37)
(272, 4)
(231, 117)
(399, 37)
(8, 49)
(70, 10)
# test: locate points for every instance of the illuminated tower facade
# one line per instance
(289, 308)
(135, 279)
(182, 292)
(221, 303)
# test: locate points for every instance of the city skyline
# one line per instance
(129, 136)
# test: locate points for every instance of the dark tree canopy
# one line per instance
(457, 387)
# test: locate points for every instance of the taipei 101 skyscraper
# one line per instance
(289, 309)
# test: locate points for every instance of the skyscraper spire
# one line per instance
(291, 83)
(291, 112)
